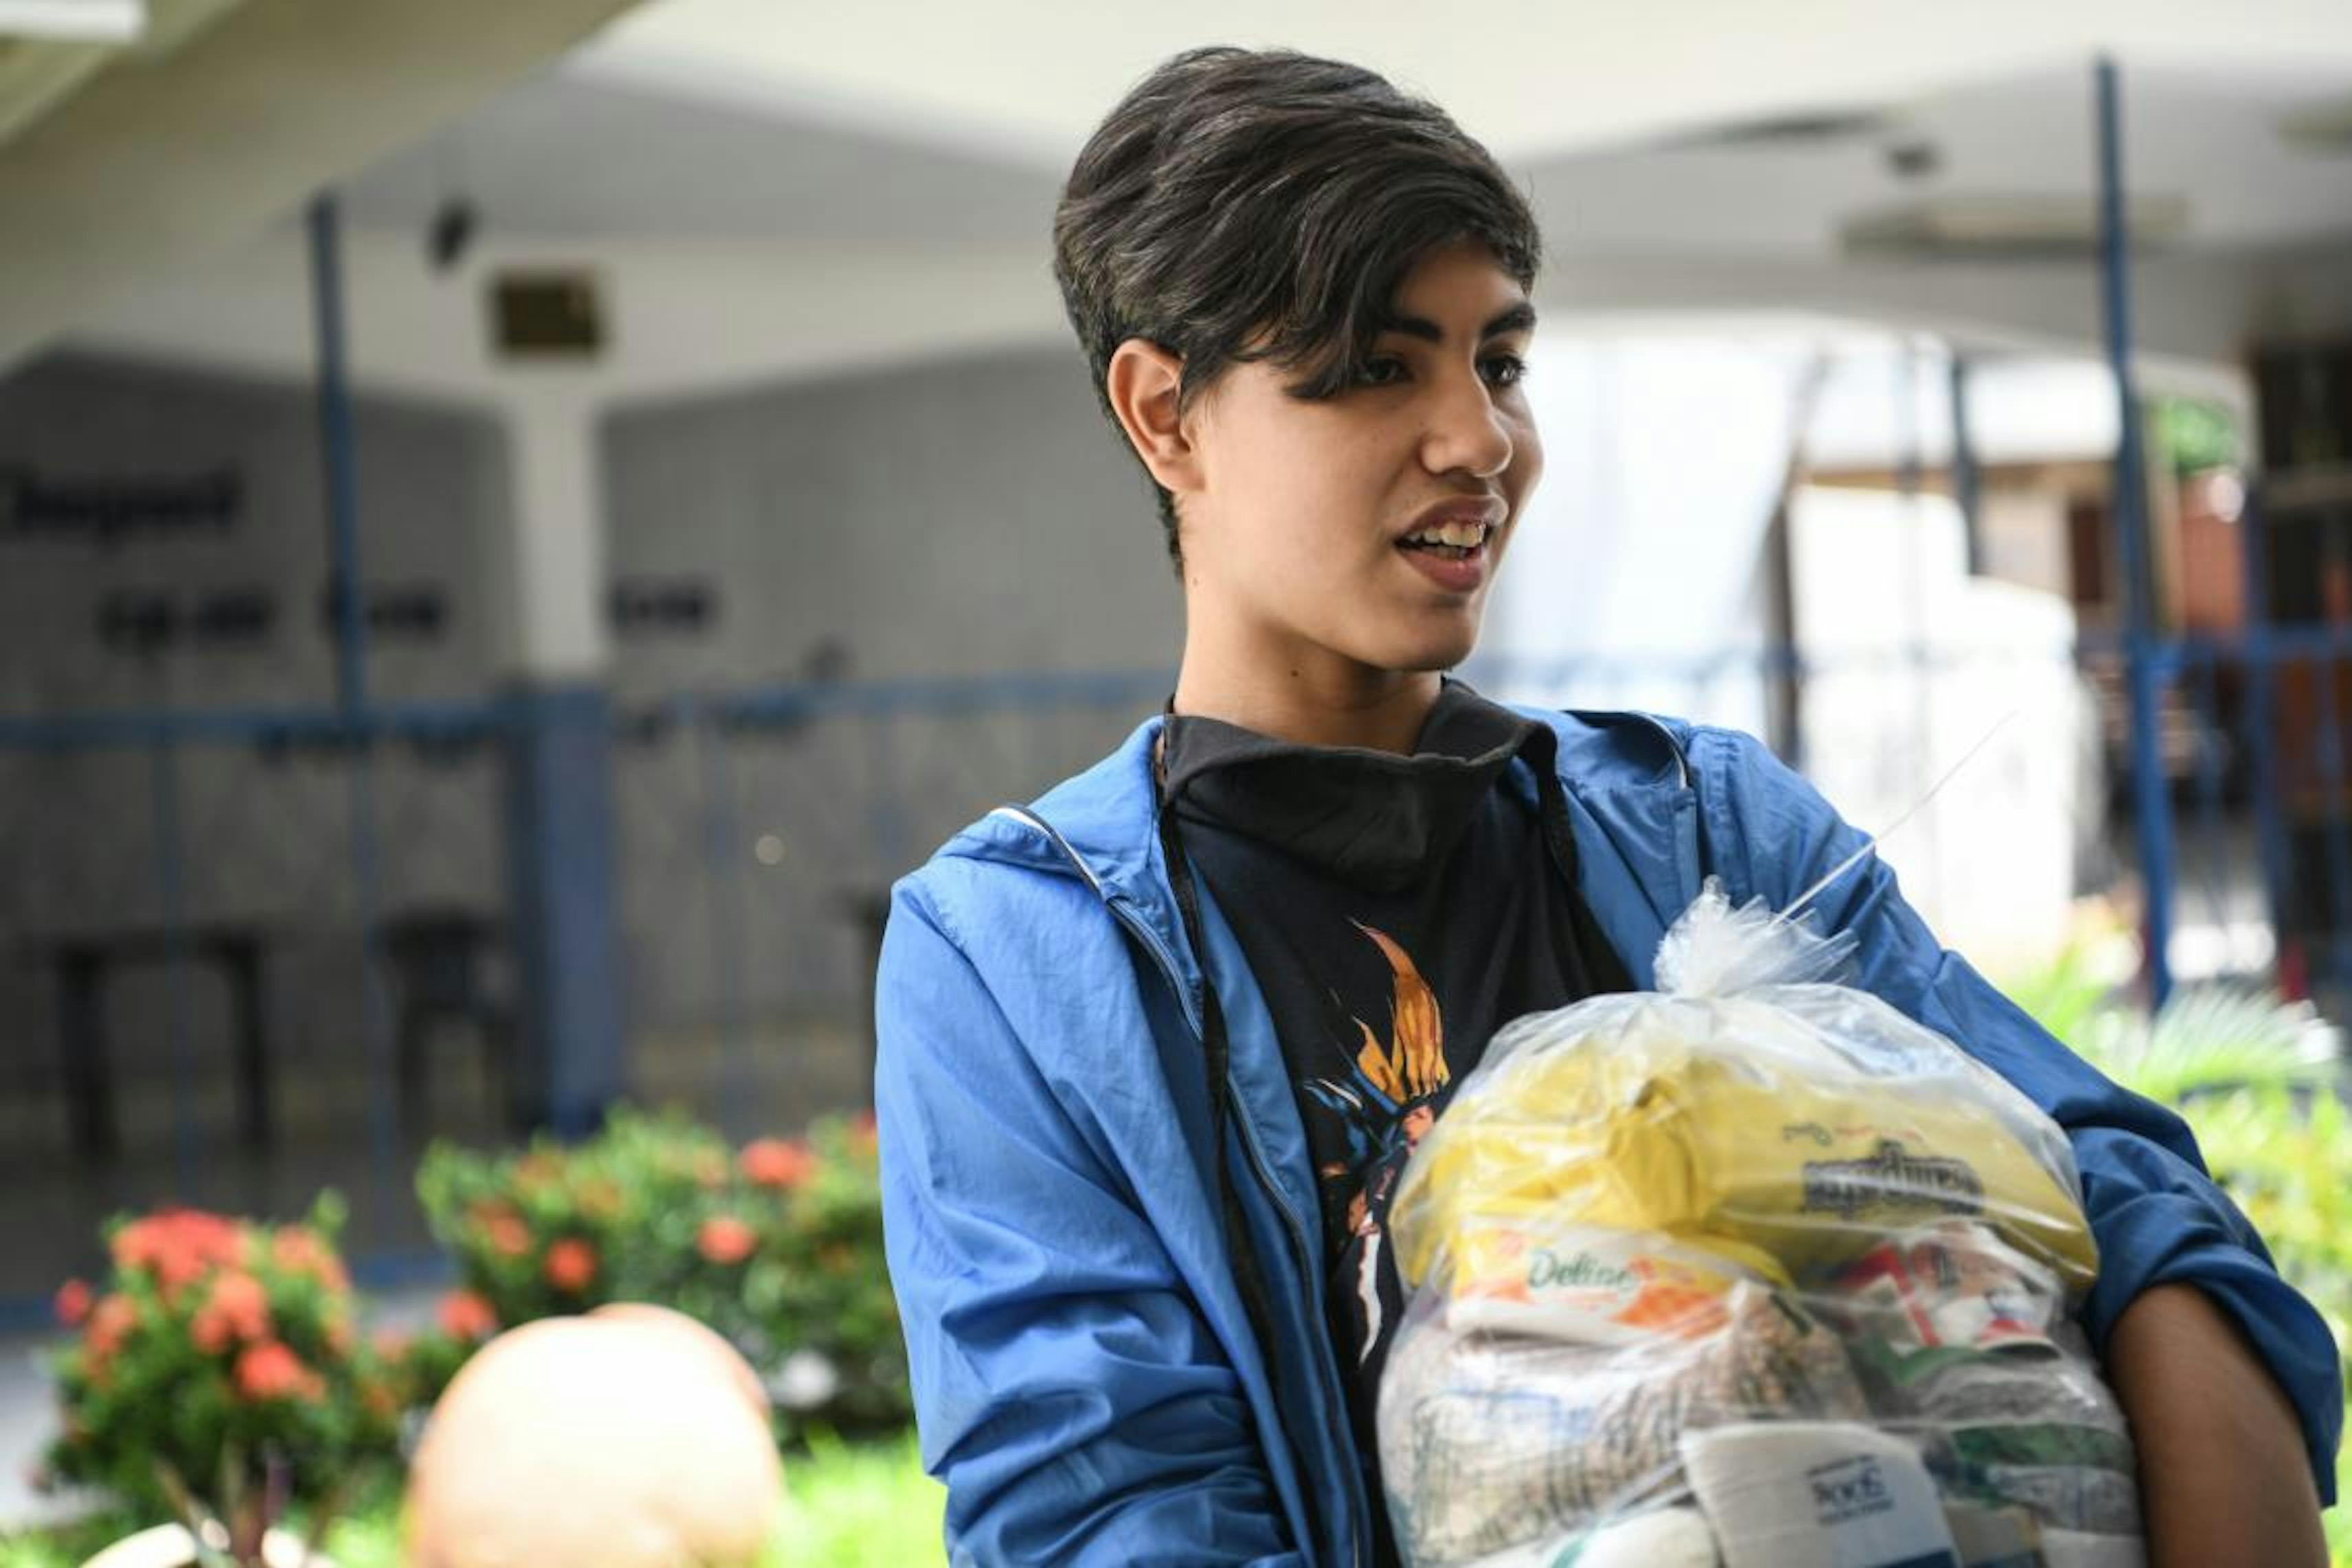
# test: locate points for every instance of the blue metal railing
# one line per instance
(900, 764)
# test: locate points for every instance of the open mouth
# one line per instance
(1449, 541)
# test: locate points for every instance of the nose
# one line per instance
(1466, 431)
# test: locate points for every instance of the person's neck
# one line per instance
(1379, 710)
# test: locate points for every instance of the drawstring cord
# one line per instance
(1249, 1276)
(1591, 959)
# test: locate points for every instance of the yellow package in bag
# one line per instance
(1785, 1130)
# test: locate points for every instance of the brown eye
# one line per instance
(1382, 370)
(1504, 370)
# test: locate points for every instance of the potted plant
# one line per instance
(777, 1245)
(217, 1379)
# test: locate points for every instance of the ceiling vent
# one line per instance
(546, 314)
(2005, 228)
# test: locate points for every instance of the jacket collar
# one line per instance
(1374, 820)
(1626, 775)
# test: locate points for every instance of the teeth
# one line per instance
(1460, 535)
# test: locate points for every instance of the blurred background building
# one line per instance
(517, 523)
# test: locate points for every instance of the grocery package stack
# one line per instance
(1751, 1271)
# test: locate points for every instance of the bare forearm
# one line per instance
(2223, 1477)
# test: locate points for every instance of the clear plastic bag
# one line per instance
(1751, 1271)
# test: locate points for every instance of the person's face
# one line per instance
(1314, 534)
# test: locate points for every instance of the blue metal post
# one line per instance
(562, 877)
(2333, 769)
(1966, 489)
(2152, 808)
(1910, 478)
(335, 451)
(2261, 721)
(2206, 691)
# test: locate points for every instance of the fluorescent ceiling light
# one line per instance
(2327, 128)
(2003, 229)
(1809, 128)
(83, 21)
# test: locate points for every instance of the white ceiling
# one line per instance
(1533, 77)
(2207, 135)
(604, 145)
(560, 155)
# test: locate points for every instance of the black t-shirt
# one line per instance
(1395, 911)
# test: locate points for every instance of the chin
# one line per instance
(1430, 654)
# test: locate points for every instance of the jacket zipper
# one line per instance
(1682, 762)
(1301, 1254)
(1359, 1506)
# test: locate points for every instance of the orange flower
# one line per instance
(210, 1330)
(298, 1250)
(507, 1233)
(240, 1298)
(774, 1163)
(73, 1302)
(465, 1315)
(571, 1265)
(270, 1370)
(864, 1136)
(178, 1246)
(598, 1197)
(111, 1322)
(725, 1240)
(538, 1169)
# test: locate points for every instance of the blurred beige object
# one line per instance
(634, 1437)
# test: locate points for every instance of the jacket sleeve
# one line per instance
(2154, 1210)
(1068, 1392)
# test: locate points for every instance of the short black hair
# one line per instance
(1246, 205)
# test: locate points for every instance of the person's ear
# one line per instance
(1144, 382)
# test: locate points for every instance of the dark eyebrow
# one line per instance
(1520, 317)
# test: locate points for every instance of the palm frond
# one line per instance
(2211, 1038)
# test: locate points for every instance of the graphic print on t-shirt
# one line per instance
(1385, 1100)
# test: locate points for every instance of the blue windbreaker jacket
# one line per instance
(1085, 1375)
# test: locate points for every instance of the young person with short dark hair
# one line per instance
(1153, 1050)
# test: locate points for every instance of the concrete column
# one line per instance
(563, 898)
(555, 563)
